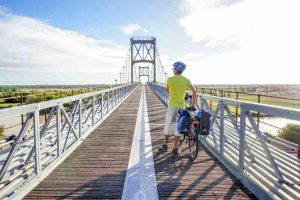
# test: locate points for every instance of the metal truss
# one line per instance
(143, 50)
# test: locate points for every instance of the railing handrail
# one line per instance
(280, 111)
(252, 94)
(18, 110)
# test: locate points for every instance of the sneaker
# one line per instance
(175, 152)
(164, 148)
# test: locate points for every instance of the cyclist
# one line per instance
(176, 88)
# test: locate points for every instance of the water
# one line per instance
(267, 124)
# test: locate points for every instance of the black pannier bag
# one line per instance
(205, 122)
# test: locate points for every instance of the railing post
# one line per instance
(107, 102)
(93, 110)
(101, 104)
(242, 141)
(22, 116)
(123, 91)
(210, 100)
(46, 108)
(58, 129)
(236, 108)
(115, 97)
(258, 114)
(166, 95)
(37, 141)
(222, 138)
(80, 117)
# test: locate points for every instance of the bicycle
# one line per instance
(197, 126)
(191, 136)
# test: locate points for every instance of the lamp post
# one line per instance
(120, 78)
(116, 80)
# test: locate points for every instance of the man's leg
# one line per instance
(166, 141)
(168, 122)
(177, 137)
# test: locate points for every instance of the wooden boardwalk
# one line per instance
(97, 168)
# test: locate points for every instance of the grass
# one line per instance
(37, 95)
(269, 100)
(8, 105)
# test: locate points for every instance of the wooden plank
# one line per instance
(97, 168)
(180, 178)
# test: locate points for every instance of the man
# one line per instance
(176, 88)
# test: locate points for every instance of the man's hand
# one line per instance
(194, 95)
(191, 108)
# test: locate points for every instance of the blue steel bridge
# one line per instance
(104, 145)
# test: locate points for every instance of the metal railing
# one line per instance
(39, 148)
(290, 102)
(20, 99)
(243, 148)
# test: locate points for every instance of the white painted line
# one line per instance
(140, 182)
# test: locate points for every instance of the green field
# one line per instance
(276, 98)
(11, 96)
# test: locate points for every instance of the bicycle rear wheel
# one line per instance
(193, 143)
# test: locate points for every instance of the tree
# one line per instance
(290, 132)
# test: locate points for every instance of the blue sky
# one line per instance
(84, 42)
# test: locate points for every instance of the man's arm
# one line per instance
(194, 95)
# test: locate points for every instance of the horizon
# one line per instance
(217, 84)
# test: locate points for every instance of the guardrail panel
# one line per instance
(240, 145)
(40, 146)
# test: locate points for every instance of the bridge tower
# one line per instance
(143, 71)
(143, 50)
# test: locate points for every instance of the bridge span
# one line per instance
(97, 168)
(104, 145)
(108, 149)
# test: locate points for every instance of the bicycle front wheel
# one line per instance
(193, 143)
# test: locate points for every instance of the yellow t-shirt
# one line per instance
(177, 90)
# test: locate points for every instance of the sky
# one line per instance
(86, 41)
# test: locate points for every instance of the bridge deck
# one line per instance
(97, 169)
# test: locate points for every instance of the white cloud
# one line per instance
(265, 32)
(30, 44)
(132, 28)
